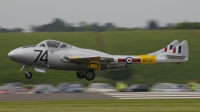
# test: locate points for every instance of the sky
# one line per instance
(123, 13)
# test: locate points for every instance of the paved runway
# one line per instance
(97, 96)
(154, 95)
(53, 97)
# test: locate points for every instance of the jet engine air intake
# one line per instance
(94, 64)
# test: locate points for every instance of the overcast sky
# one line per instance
(124, 13)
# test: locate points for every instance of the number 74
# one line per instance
(43, 55)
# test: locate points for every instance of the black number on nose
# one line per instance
(41, 58)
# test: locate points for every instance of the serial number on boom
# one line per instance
(148, 60)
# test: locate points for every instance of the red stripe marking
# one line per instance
(165, 50)
(121, 60)
(136, 60)
(174, 50)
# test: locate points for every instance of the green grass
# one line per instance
(122, 42)
(171, 105)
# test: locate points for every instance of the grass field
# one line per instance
(171, 105)
(124, 42)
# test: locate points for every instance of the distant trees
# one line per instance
(152, 25)
(6, 30)
(58, 25)
(187, 25)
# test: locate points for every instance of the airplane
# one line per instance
(53, 54)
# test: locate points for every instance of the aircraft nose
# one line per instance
(15, 54)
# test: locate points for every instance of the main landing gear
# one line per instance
(88, 75)
(80, 74)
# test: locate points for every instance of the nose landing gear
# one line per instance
(28, 74)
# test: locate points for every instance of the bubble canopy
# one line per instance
(53, 44)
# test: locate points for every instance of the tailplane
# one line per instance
(181, 51)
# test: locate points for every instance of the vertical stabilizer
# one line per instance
(166, 49)
(181, 51)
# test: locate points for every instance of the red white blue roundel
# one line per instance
(129, 60)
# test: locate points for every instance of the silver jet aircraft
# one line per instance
(52, 54)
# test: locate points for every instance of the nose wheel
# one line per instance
(28, 75)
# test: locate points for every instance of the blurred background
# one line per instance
(112, 26)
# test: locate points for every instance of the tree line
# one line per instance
(7, 30)
(154, 25)
(59, 25)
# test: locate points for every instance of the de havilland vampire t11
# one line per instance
(52, 54)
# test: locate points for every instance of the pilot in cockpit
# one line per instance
(53, 44)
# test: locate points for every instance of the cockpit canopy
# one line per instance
(53, 44)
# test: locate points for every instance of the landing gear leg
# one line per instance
(28, 75)
(89, 75)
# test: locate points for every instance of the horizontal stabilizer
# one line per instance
(176, 56)
(180, 51)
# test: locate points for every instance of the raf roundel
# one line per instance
(129, 60)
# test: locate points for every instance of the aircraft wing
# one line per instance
(74, 58)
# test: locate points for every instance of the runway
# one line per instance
(97, 96)
(154, 95)
(53, 97)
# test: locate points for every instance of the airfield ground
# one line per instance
(170, 105)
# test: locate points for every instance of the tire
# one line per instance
(29, 75)
(89, 75)
(80, 75)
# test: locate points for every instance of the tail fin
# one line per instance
(166, 49)
(179, 52)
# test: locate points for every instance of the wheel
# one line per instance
(89, 75)
(80, 74)
(28, 75)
